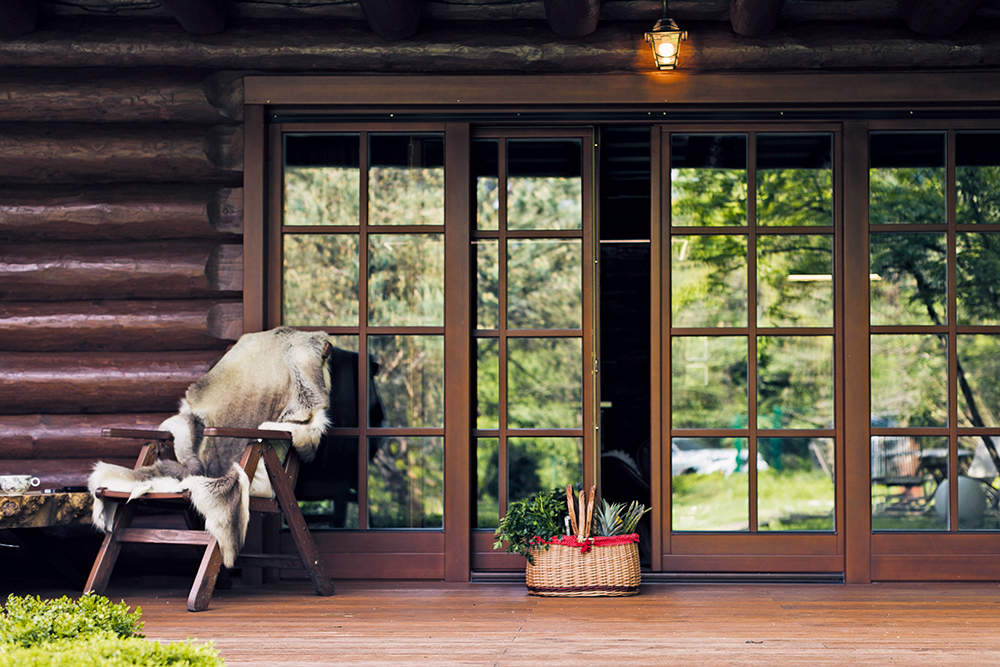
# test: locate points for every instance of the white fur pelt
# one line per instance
(276, 380)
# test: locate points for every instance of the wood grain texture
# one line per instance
(198, 17)
(392, 19)
(754, 18)
(572, 18)
(158, 270)
(98, 382)
(73, 153)
(938, 17)
(472, 624)
(58, 436)
(120, 212)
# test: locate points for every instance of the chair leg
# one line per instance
(204, 582)
(304, 543)
(100, 573)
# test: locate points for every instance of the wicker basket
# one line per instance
(597, 566)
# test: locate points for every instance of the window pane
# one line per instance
(906, 178)
(410, 379)
(322, 180)
(794, 179)
(544, 284)
(709, 382)
(909, 384)
(909, 283)
(978, 289)
(795, 281)
(708, 281)
(978, 370)
(320, 280)
(327, 487)
(542, 464)
(487, 383)
(544, 184)
(708, 180)
(795, 382)
(406, 180)
(488, 482)
(487, 283)
(977, 177)
(795, 490)
(406, 280)
(485, 172)
(544, 382)
(406, 482)
(710, 486)
(903, 483)
(977, 483)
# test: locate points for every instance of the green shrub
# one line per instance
(89, 632)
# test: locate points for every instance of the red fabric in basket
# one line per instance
(591, 542)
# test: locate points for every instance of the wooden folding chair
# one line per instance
(282, 482)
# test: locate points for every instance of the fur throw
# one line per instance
(277, 380)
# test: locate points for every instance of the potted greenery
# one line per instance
(570, 549)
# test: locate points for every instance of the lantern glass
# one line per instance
(665, 38)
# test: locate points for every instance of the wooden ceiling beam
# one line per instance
(938, 17)
(198, 17)
(754, 18)
(392, 19)
(572, 18)
(17, 17)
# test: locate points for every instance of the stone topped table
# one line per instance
(23, 514)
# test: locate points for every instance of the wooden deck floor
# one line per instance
(667, 624)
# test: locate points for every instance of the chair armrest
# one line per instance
(141, 434)
(249, 433)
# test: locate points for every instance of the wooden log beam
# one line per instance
(120, 213)
(119, 382)
(79, 436)
(17, 17)
(938, 17)
(167, 270)
(754, 18)
(70, 153)
(198, 17)
(119, 96)
(59, 473)
(572, 18)
(392, 19)
(613, 47)
(119, 325)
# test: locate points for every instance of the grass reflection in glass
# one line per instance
(796, 491)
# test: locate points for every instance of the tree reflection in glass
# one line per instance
(977, 177)
(405, 179)
(708, 180)
(708, 281)
(544, 383)
(908, 278)
(795, 280)
(906, 178)
(795, 382)
(322, 179)
(320, 280)
(406, 482)
(794, 179)
(544, 284)
(410, 379)
(542, 464)
(909, 380)
(544, 184)
(406, 280)
(709, 382)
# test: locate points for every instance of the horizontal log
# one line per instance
(46, 436)
(392, 19)
(500, 10)
(72, 153)
(572, 18)
(100, 383)
(938, 17)
(57, 473)
(157, 270)
(526, 48)
(117, 213)
(119, 96)
(754, 18)
(120, 326)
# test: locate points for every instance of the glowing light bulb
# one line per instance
(666, 49)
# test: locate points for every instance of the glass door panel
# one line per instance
(752, 350)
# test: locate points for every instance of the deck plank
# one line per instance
(499, 624)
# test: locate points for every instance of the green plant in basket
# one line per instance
(617, 518)
(531, 522)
